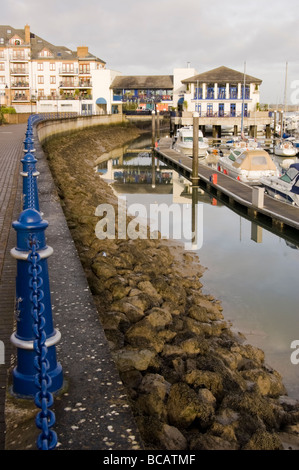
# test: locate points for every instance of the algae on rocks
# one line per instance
(192, 382)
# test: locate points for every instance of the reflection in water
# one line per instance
(252, 271)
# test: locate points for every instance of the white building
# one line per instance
(37, 76)
(219, 92)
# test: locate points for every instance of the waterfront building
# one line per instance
(142, 92)
(37, 76)
(222, 92)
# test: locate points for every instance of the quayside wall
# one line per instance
(50, 127)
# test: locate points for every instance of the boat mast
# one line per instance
(242, 114)
(285, 100)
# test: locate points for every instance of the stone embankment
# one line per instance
(192, 382)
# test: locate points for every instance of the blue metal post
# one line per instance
(30, 189)
(30, 228)
(28, 145)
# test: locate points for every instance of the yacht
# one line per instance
(286, 187)
(285, 148)
(184, 142)
(248, 166)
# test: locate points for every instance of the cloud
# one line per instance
(141, 37)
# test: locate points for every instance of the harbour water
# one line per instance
(251, 271)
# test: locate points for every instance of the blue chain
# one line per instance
(45, 419)
(30, 187)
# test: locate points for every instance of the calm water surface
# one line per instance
(256, 281)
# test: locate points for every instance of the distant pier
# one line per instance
(270, 213)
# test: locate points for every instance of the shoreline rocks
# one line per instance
(193, 384)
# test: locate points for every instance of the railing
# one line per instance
(19, 85)
(36, 374)
(19, 71)
(63, 71)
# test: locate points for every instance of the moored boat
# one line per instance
(286, 187)
(184, 142)
(248, 166)
(285, 148)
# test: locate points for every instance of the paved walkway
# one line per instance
(93, 413)
(11, 152)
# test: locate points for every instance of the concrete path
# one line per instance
(93, 412)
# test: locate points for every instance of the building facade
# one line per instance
(36, 75)
(222, 92)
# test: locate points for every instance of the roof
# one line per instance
(132, 82)
(255, 160)
(222, 75)
(37, 44)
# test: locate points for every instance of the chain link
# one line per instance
(45, 419)
(30, 187)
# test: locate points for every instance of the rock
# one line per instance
(267, 383)
(182, 405)
(159, 318)
(103, 269)
(133, 313)
(143, 335)
(148, 288)
(157, 383)
(191, 346)
(171, 438)
(131, 378)
(129, 359)
(209, 441)
(153, 390)
(207, 379)
(263, 440)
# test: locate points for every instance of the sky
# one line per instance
(138, 37)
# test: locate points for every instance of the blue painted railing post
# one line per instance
(30, 228)
(30, 189)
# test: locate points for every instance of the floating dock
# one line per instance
(270, 213)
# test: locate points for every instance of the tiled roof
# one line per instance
(37, 44)
(222, 75)
(143, 82)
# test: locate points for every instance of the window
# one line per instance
(40, 66)
(53, 79)
(1, 40)
(2, 66)
(2, 80)
(68, 68)
(259, 160)
(52, 66)
(84, 68)
(40, 79)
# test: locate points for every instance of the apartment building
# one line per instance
(37, 76)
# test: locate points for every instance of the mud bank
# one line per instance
(193, 383)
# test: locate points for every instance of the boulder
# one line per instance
(130, 359)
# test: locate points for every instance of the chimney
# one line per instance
(82, 51)
(27, 34)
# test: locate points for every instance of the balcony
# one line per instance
(67, 84)
(19, 58)
(68, 72)
(19, 85)
(21, 99)
(19, 71)
(85, 84)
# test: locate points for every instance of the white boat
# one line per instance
(248, 166)
(286, 187)
(285, 148)
(184, 142)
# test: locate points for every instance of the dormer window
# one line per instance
(16, 41)
(46, 53)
